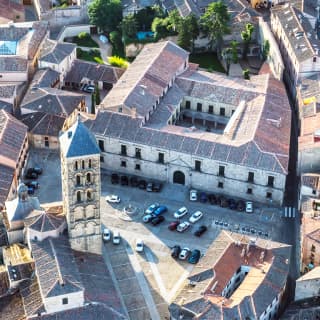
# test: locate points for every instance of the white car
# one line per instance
(249, 207)
(106, 234)
(116, 237)
(113, 198)
(147, 218)
(180, 213)
(183, 226)
(139, 245)
(184, 253)
(152, 208)
(193, 195)
(196, 217)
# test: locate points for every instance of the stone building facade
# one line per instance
(80, 170)
(166, 120)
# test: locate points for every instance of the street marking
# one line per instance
(178, 284)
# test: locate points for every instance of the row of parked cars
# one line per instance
(154, 215)
(32, 174)
(222, 201)
(136, 182)
(193, 256)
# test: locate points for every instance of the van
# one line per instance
(116, 237)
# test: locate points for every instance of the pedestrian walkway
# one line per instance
(289, 212)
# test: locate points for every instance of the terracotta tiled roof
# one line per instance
(42, 221)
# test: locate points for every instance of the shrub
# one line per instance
(118, 62)
(83, 35)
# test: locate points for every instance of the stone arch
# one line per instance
(179, 177)
(82, 164)
(78, 213)
(89, 177)
(76, 165)
(90, 163)
(90, 211)
(79, 198)
(78, 179)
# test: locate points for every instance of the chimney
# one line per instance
(134, 112)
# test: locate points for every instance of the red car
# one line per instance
(173, 225)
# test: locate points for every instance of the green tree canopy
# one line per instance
(246, 36)
(105, 14)
(129, 26)
(184, 34)
(215, 22)
(160, 27)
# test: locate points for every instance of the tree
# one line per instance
(115, 39)
(184, 35)
(234, 51)
(215, 23)
(129, 26)
(93, 106)
(246, 37)
(159, 27)
(265, 49)
(174, 19)
(227, 57)
(246, 74)
(97, 95)
(193, 27)
(105, 14)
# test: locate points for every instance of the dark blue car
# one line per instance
(160, 210)
(195, 256)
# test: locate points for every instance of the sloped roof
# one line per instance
(45, 78)
(42, 123)
(51, 101)
(42, 221)
(57, 271)
(95, 72)
(56, 52)
(78, 141)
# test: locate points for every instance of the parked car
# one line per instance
(184, 254)
(30, 190)
(124, 181)
(106, 234)
(33, 184)
(152, 208)
(31, 175)
(156, 187)
(88, 88)
(200, 231)
(157, 219)
(113, 198)
(173, 225)
(180, 212)
(194, 256)
(249, 207)
(116, 237)
(149, 187)
(241, 205)
(203, 197)
(142, 184)
(114, 178)
(193, 195)
(134, 182)
(175, 251)
(212, 199)
(223, 202)
(139, 245)
(232, 204)
(196, 217)
(147, 218)
(160, 210)
(183, 226)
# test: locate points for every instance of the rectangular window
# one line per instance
(188, 104)
(161, 157)
(46, 142)
(249, 191)
(222, 111)
(199, 106)
(313, 248)
(250, 176)
(270, 181)
(197, 165)
(101, 159)
(123, 163)
(138, 167)
(123, 150)
(269, 195)
(138, 153)
(64, 300)
(210, 109)
(221, 171)
(220, 185)
(314, 59)
(101, 145)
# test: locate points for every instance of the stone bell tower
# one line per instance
(80, 173)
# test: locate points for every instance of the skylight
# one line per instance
(8, 48)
